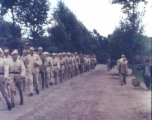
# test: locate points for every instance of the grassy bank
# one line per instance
(138, 74)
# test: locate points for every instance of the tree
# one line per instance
(33, 14)
(132, 23)
(9, 35)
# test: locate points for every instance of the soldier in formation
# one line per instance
(15, 70)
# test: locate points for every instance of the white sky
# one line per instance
(103, 16)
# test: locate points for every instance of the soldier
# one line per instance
(120, 60)
(56, 66)
(77, 63)
(122, 67)
(69, 65)
(82, 62)
(23, 58)
(6, 54)
(43, 66)
(62, 67)
(33, 62)
(4, 74)
(73, 65)
(49, 69)
(16, 74)
(65, 65)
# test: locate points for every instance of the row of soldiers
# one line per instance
(14, 70)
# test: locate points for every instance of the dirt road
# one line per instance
(95, 95)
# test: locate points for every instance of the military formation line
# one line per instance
(14, 70)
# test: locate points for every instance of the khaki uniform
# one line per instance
(56, 66)
(42, 69)
(33, 71)
(73, 66)
(82, 62)
(8, 57)
(62, 68)
(8, 87)
(77, 63)
(122, 67)
(69, 61)
(49, 70)
(108, 64)
(16, 70)
(4, 73)
(66, 67)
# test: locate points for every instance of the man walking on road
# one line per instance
(147, 73)
(122, 67)
(16, 74)
(4, 74)
(32, 64)
(43, 66)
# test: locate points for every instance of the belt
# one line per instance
(15, 73)
(1, 73)
(62, 64)
(54, 65)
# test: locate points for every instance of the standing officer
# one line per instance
(16, 74)
(4, 74)
(122, 67)
(33, 62)
(65, 65)
(56, 66)
(43, 66)
(23, 58)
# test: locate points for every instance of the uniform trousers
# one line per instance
(123, 78)
(147, 81)
(33, 77)
(13, 85)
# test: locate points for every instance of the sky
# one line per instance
(102, 15)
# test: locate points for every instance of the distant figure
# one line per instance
(123, 69)
(147, 73)
(108, 63)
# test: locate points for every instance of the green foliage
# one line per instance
(10, 35)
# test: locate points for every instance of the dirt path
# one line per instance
(95, 95)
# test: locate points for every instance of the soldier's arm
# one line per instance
(39, 61)
(22, 69)
(45, 60)
(51, 64)
(58, 64)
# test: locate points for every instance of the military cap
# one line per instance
(53, 54)
(14, 52)
(24, 50)
(39, 48)
(122, 56)
(76, 53)
(6, 50)
(31, 48)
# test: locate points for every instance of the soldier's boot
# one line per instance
(9, 106)
(21, 97)
(12, 99)
(56, 80)
(23, 84)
